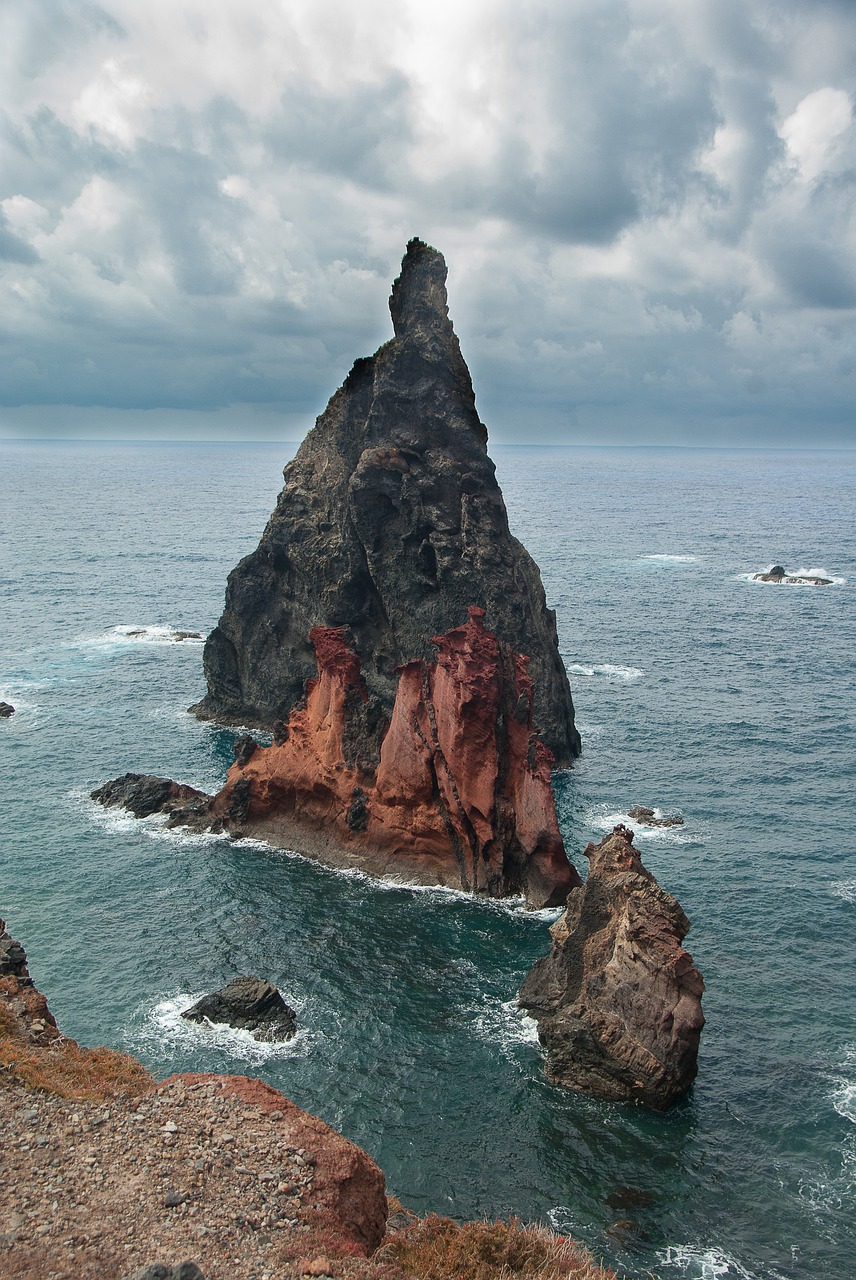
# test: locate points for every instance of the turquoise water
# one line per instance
(697, 691)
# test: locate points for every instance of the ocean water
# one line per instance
(698, 691)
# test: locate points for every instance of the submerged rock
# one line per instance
(249, 1004)
(390, 523)
(618, 999)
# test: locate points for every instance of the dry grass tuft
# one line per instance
(67, 1070)
(439, 1249)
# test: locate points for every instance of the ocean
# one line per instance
(699, 692)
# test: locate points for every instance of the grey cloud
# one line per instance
(12, 247)
(605, 276)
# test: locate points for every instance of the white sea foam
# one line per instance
(704, 1264)
(133, 633)
(844, 1097)
(835, 579)
(164, 1025)
(604, 671)
(505, 1025)
(669, 559)
(154, 826)
(604, 818)
(845, 889)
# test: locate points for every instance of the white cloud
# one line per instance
(814, 131)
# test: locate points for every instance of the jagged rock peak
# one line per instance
(418, 301)
(391, 524)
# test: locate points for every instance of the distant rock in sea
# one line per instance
(779, 574)
(6, 710)
(618, 999)
(390, 524)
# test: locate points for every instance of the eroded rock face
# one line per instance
(250, 1004)
(20, 999)
(391, 524)
(461, 793)
(618, 999)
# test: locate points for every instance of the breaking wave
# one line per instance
(835, 580)
(667, 559)
(605, 817)
(164, 1025)
(704, 1264)
(137, 634)
(604, 671)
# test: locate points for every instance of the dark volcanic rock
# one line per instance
(391, 524)
(780, 574)
(6, 710)
(618, 1000)
(249, 1004)
(144, 795)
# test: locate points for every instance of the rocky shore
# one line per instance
(106, 1172)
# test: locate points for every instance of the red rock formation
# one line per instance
(461, 794)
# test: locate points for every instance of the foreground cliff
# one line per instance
(106, 1173)
(618, 999)
(391, 523)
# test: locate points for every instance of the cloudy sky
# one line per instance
(647, 208)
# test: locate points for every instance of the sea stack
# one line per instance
(395, 639)
(390, 525)
(618, 999)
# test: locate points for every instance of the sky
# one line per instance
(646, 207)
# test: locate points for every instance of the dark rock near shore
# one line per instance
(618, 1000)
(390, 524)
(249, 1004)
(6, 710)
(144, 794)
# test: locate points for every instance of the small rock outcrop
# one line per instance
(6, 710)
(648, 818)
(618, 999)
(249, 1004)
(779, 574)
(390, 524)
(143, 794)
